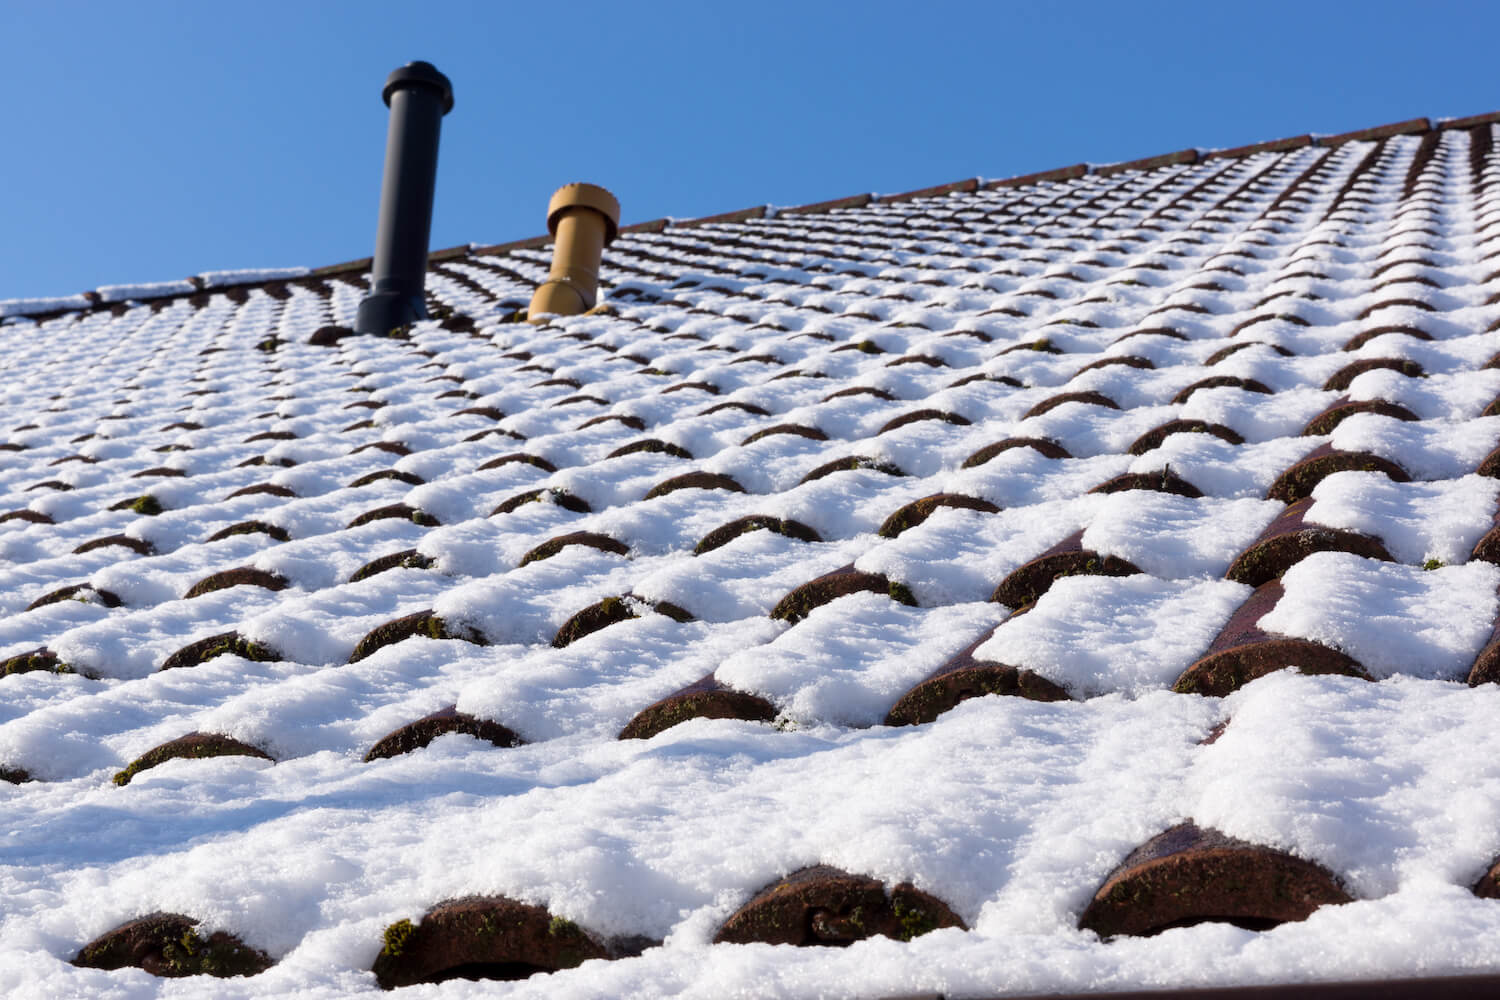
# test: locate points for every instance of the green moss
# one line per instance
(147, 505)
(901, 593)
(562, 925)
(914, 921)
(869, 347)
(399, 332)
(268, 345)
(396, 937)
(1433, 564)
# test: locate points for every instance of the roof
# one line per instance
(916, 573)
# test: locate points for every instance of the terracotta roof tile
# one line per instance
(867, 570)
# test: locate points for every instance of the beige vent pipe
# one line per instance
(584, 218)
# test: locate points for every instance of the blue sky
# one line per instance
(150, 141)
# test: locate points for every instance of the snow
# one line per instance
(1391, 618)
(1011, 811)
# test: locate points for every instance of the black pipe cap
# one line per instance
(419, 74)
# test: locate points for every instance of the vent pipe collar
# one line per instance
(418, 96)
(583, 218)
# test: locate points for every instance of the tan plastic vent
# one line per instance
(584, 218)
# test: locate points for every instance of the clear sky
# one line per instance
(149, 141)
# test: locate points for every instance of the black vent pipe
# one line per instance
(418, 96)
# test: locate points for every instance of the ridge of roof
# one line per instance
(108, 295)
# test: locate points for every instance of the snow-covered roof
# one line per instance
(918, 572)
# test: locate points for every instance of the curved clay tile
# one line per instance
(403, 511)
(1225, 352)
(389, 447)
(1153, 438)
(417, 623)
(1152, 331)
(861, 390)
(51, 484)
(707, 387)
(1488, 886)
(653, 446)
(167, 944)
(75, 592)
(1339, 380)
(1222, 382)
(918, 511)
(798, 604)
(1323, 461)
(146, 505)
(1325, 422)
(1089, 397)
(193, 746)
(251, 528)
(269, 489)
(727, 533)
(479, 411)
(204, 650)
(1188, 875)
(136, 545)
(384, 474)
(488, 937)
(327, 336)
(1359, 340)
(703, 699)
(415, 735)
(612, 611)
(734, 404)
(240, 576)
(1042, 446)
(851, 464)
(811, 433)
(964, 677)
(40, 658)
(1242, 651)
(1068, 557)
(1486, 668)
(557, 495)
(1042, 345)
(592, 539)
(520, 456)
(916, 416)
(1129, 360)
(28, 515)
(405, 559)
(1288, 539)
(823, 905)
(1165, 481)
(634, 423)
(931, 361)
(270, 436)
(583, 397)
(1369, 311)
(694, 481)
(160, 470)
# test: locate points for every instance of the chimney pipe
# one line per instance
(584, 218)
(418, 96)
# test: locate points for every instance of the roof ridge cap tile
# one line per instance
(19, 307)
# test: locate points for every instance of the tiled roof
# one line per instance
(636, 644)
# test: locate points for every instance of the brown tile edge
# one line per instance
(1408, 127)
(1469, 121)
(1269, 146)
(1149, 162)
